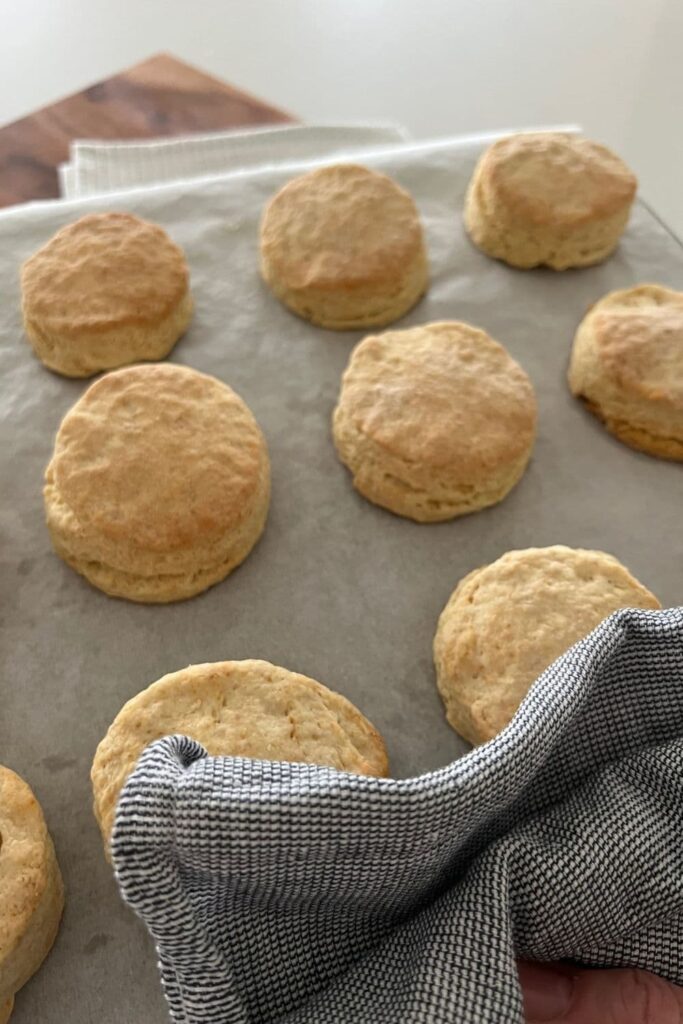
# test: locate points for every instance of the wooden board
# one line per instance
(161, 96)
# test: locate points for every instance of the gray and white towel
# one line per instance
(294, 893)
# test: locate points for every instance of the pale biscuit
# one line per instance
(106, 291)
(343, 247)
(508, 621)
(627, 366)
(31, 888)
(159, 484)
(435, 421)
(238, 708)
(546, 198)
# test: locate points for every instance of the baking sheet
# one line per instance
(337, 588)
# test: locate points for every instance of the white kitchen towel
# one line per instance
(100, 167)
(294, 893)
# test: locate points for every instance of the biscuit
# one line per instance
(343, 247)
(108, 290)
(435, 421)
(627, 366)
(6, 1010)
(31, 888)
(546, 198)
(239, 708)
(159, 484)
(505, 623)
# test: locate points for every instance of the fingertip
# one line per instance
(548, 991)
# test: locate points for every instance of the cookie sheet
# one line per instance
(338, 589)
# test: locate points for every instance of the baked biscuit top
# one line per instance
(106, 270)
(441, 394)
(339, 227)
(160, 457)
(554, 178)
(638, 334)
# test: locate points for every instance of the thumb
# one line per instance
(559, 994)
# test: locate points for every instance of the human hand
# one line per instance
(562, 994)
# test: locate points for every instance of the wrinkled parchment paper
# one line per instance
(337, 588)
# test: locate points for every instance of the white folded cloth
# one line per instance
(99, 167)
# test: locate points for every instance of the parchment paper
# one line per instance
(338, 589)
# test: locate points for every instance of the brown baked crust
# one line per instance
(440, 394)
(159, 484)
(31, 888)
(627, 366)
(548, 199)
(160, 457)
(340, 226)
(555, 178)
(343, 246)
(435, 420)
(104, 271)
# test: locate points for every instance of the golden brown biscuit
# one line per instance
(343, 247)
(241, 708)
(435, 421)
(31, 889)
(548, 198)
(505, 623)
(627, 365)
(6, 1010)
(159, 484)
(108, 290)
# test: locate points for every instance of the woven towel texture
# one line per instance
(292, 893)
